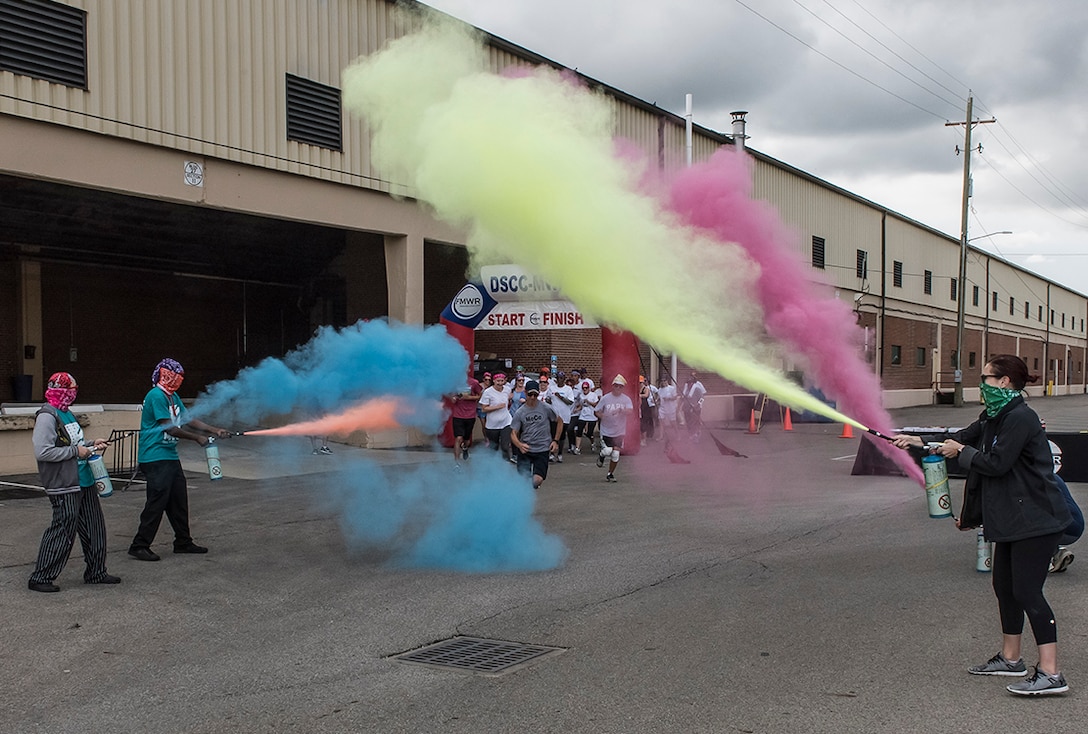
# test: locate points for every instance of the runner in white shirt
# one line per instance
(613, 411)
(562, 400)
(585, 422)
(668, 398)
(495, 404)
(692, 395)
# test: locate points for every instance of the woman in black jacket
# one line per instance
(1010, 469)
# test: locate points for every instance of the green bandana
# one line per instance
(996, 398)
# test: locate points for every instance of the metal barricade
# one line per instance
(123, 462)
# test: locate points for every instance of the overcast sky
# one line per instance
(857, 92)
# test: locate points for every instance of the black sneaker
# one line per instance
(600, 462)
(464, 454)
(998, 665)
(1039, 684)
(106, 579)
(191, 548)
(610, 477)
(143, 554)
(44, 586)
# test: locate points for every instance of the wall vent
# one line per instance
(313, 113)
(45, 40)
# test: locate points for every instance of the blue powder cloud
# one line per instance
(476, 519)
(341, 367)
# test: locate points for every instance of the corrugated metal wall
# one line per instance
(208, 77)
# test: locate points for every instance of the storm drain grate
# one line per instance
(478, 655)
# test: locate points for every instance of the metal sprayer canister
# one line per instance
(102, 481)
(211, 451)
(936, 475)
(984, 556)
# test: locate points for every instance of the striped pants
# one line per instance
(74, 513)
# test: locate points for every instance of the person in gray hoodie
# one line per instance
(61, 452)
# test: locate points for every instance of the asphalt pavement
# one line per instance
(771, 593)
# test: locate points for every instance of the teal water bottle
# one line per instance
(936, 475)
(211, 452)
(984, 554)
(102, 481)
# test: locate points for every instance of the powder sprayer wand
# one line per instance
(878, 434)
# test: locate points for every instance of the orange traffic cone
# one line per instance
(847, 431)
(752, 422)
(787, 422)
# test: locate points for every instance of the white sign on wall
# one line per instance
(535, 315)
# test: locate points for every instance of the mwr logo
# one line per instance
(468, 302)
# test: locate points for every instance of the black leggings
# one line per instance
(1020, 569)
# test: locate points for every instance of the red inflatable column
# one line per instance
(467, 339)
(619, 356)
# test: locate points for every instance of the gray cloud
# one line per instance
(1025, 65)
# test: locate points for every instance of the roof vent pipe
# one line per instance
(738, 128)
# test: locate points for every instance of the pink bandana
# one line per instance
(169, 380)
(60, 391)
(168, 375)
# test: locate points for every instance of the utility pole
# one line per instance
(961, 285)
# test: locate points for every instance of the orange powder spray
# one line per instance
(374, 415)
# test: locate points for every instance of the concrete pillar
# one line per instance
(404, 276)
(29, 332)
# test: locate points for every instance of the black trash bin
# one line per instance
(22, 387)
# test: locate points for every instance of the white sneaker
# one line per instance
(1039, 684)
(1061, 560)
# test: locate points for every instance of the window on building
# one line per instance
(313, 113)
(1027, 310)
(1036, 364)
(1082, 325)
(1051, 317)
(863, 264)
(897, 354)
(952, 292)
(927, 285)
(974, 295)
(971, 359)
(45, 40)
(1012, 306)
(994, 308)
(1063, 320)
(818, 252)
(1040, 314)
(920, 356)
(897, 274)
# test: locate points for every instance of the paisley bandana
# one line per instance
(996, 398)
(60, 391)
(168, 375)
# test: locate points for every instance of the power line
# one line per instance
(836, 63)
(889, 49)
(1045, 208)
(871, 54)
(963, 84)
(1061, 193)
(1059, 196)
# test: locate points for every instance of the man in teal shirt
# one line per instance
(163, 422)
